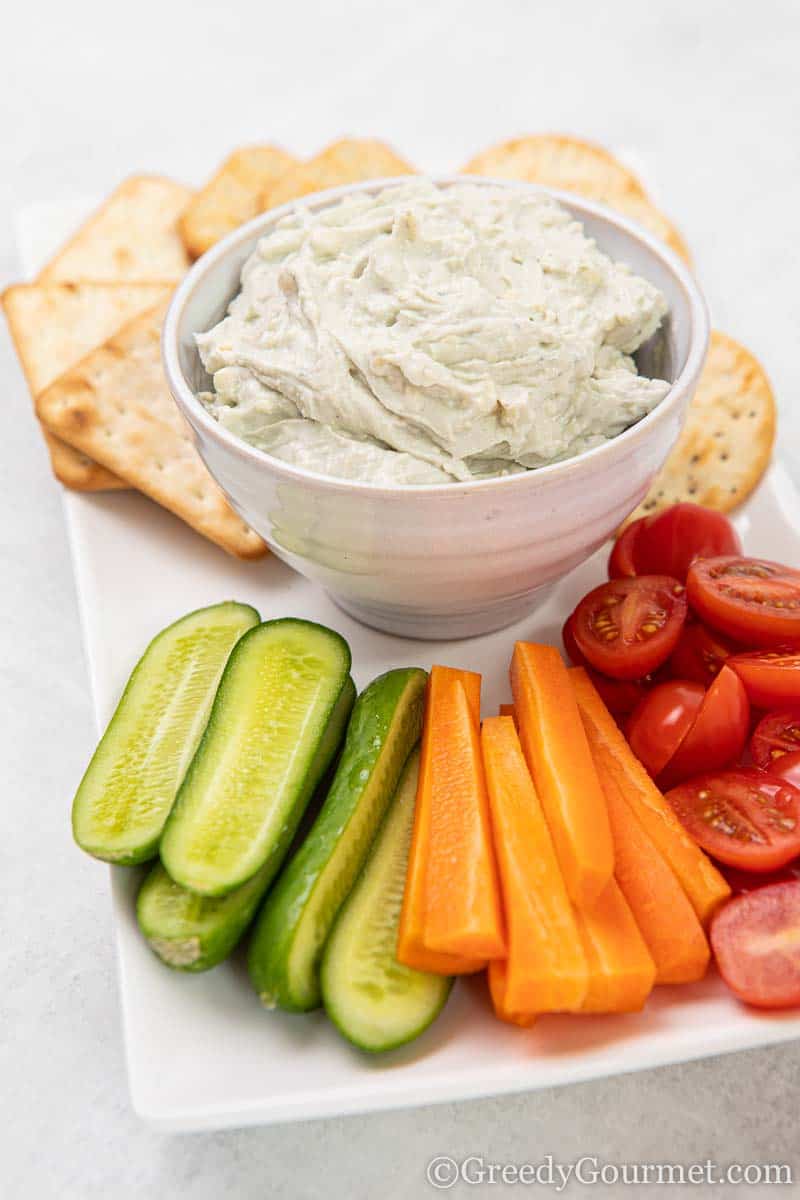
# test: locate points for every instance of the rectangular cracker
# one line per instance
(115, 406)
(132, 238)
(346, 161)
(232, 196)
(53, 326)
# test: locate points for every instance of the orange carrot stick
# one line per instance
(545, 970)
(558, 755)
(621, 969)
(411, 950)
(497, 975)
(661, 908)
(463, 915)
(697, 875)
(507, 710)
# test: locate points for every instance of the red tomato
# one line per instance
(771, 677)
(676, 537)
(570, 645)
(700, 653)
(746, 881)
(622, 563)
(629, 627)
(718, 734)
(750, 599)
(744, 818)
(620, 696)
(756, 942)
(787, 768)
(661, 721)
(776, 734)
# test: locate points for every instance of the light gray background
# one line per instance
(92, 91)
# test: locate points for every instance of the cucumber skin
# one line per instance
(282, 912)
(328, 969)
(281, 843)
(211, 946)
(149, 850)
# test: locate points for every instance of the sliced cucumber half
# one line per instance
(294, 923)
(129, 787)
(192, 932)
(248, 783)
(375, 1001)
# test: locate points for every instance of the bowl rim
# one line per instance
(196, 414)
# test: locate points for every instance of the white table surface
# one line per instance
(89, 93)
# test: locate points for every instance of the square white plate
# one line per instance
(201, 1052)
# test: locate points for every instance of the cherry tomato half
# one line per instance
(751, 600)
(745, 881)
(775, 735)
(571, 647)
(718, 734)
(771, 677)
(623, 564)
(626, 628)
(676, 537)
(661, 721)
(756, 942)
(745, 818)
(787, 768)
(700, 653)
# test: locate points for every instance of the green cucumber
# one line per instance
(247, 785)
(129, 787)
(375, 1001)
(299, 911)
(194, 933)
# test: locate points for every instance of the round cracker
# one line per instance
(577, 166)
(560, 162)
(726, 442)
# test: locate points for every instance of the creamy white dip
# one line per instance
(428, 334)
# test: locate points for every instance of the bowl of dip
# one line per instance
(435, 397)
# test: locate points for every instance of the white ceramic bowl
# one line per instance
(451, 560)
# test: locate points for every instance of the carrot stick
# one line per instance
(411, 950)
(463, 915)
(699, 878)
(558, 755)
(497, 974)
(661, 908)
(545, 970)
(507, 710)
(621, 969)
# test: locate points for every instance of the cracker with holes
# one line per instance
(115, 406)
(346, 161)
(53, 326)
(726, 443)
(232, 196)
(573, 165)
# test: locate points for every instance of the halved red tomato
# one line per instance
(626, 628)
(771, 677)
(787, 768)
(661, 721)
(671, 541)
(756, 942)
(775, 735)
(745, 881)
(622, 563)
(718, 734)
(745, 818)
(752, 600)
(700, 653)
(570, 645)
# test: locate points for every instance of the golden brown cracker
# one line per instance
(132, 238)
(232, 196)
(116, 407)
(574, 165)
(53, 326)
(346, 161)
(726, 443)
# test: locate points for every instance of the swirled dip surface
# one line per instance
(428, 334)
